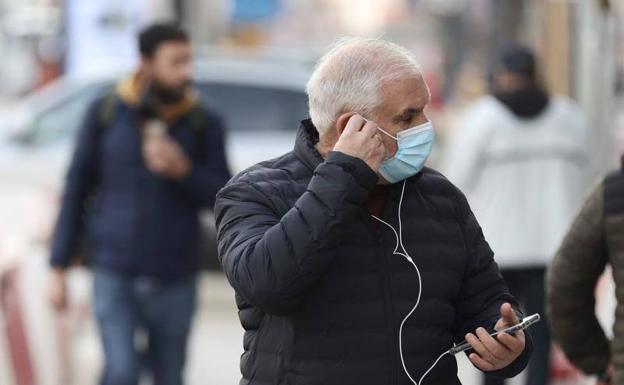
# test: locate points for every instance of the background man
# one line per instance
(148, 159)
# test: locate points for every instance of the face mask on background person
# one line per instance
(414, 147)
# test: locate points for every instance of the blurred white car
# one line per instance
(262, 103)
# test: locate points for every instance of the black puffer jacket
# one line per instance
(321, 296)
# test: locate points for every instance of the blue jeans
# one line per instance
(125, 305)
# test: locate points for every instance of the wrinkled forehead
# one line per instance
(407, 92)
(413, 85)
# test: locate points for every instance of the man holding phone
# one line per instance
(149, 158)
(352, 262)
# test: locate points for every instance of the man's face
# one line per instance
(170, 67)
(505, 81)
(402, 106)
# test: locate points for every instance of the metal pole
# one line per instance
(595, 79)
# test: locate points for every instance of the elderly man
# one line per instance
(352, 263)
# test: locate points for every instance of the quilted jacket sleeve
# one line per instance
(272, 260)
(210, 172)
(571, 280)
(80, 181)
(484, 290)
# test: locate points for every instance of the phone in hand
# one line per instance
(524, 324)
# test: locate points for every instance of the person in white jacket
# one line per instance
(519, 155)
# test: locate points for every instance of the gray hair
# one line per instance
(350, 76)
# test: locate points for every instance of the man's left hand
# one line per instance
(497, 353)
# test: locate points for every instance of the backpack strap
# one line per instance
(197, 119)
(106, 110)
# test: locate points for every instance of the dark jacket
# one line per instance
(321, 295)
(595, 239)
(137, 222)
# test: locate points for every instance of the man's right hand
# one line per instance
(164, 156)
(362, 140)
(58, 289)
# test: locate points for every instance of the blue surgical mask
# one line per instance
(414, 147)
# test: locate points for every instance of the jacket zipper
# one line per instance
(382, 258)
(389, 310)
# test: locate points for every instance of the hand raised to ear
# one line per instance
(362, 140)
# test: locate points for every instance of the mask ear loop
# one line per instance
(381, 129)
(399, 239)
(385, 132)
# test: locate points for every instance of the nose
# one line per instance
(422, 119)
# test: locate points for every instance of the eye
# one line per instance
(407, 119)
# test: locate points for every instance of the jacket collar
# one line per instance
(131, 89)
(307, 138)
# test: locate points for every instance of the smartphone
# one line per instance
(524, 324)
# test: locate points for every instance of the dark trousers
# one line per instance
(527, 285)
(124, 306)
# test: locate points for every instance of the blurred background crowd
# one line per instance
(252, 59)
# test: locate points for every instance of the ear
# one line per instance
(341, 122)
(146, 65)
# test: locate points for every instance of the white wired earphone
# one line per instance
(404, 254)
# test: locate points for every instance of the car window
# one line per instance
(62, 121)
(244, 108)
(255, 108)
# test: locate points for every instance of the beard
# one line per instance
(158, 95)
(166, 94)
